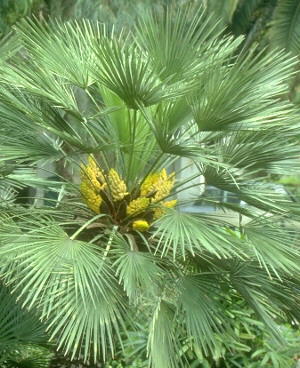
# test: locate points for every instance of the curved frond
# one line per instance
(163, 329)
(63, 48)
(285, 29)
(174, 40)
(182, 233)
(274, 246)
(74, 290)
(242, 94)
(201, 313)
(137, 271)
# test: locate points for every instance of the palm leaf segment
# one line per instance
(285, 30)
(121, 112)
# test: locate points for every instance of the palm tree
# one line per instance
(117, 244)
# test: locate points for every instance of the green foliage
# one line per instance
(223, 10)
(21, 336)
(93, 279)
(244, 15)
(285, 31)
(28, 357)
(12, 11)
(122, 13)
(256, 348)
(272, 23)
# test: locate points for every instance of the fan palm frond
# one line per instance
(285, 30)
(163, 329)
(179, 233)
(73, 282)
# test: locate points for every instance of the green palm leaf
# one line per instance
(181, 233)
(71, 291)
(273, 246)
(285, 30)
(173, 41)
(162, 329)
(137, 271)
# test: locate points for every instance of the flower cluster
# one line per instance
(153, 190)
(108, 193)
(117, 186)
(92, 182)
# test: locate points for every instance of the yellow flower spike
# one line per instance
(94, 204)
(160, 183)
(93, 174)
(137, 205)
(117, 186)
(164, 185)
(140, 225)
(149, 183)
(92, 181)
(92, 199)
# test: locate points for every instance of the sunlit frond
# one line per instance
(75, 290)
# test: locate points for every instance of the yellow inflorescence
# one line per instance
(156, 187)
(137, 205)
(163, 186)
(140, 225)
(158, 184)
(92, 181)
(149, 184)
(117, 186)
(93, 174)
(97, 187)
(91, 197)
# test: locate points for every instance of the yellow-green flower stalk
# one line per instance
(149, 185)
(117, 186)
(91, 197)
(137, 205)
(157, 185)
(163, 186)
(92, 181)
(93, 174)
